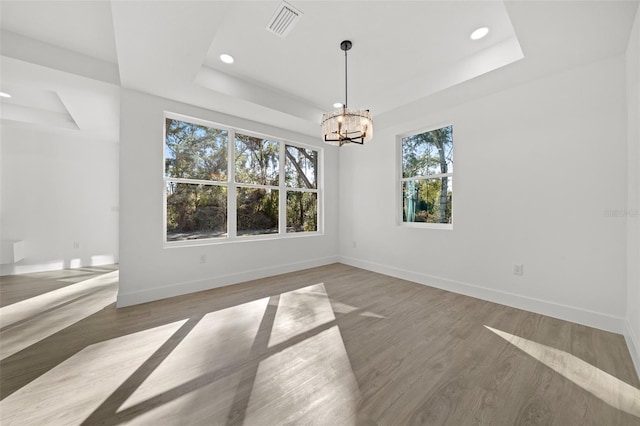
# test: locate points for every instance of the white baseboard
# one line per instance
(568, 313)
(633, 343)
(142, 296)
(24, 267)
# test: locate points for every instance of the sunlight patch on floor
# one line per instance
(608, 388)
(310, 379)
(196, 375)
(27, 322)
(299, 311)
(254, 363)
(90, 375)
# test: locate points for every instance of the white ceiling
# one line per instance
(79, 26)
(405, 53)
(393, 43)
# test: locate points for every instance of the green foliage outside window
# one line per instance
(196, 211)
(256, 160)
(301, 171)
(198, 183)
(302, 211)
(257, 211)
(193, 151)
(427, 176)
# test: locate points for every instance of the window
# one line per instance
(257, 192)
(301, 177)
(427, 177)
(225, 184)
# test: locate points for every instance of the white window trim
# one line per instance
(400, 180)
(232, 186)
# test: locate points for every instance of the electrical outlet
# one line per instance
(517, 269)
(203, 258)
(353, 244)
(76, 244)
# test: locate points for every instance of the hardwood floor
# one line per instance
(15, 288)
(333, 345)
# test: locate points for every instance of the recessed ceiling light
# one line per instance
(479, 33)
(4, 95)
(337, 105)
(226, 58)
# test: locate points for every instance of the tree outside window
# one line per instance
(207, 200)
(301, 175)
(427, 176)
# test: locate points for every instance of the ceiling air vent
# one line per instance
(283, 19)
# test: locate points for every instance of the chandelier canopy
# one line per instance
(346, 125)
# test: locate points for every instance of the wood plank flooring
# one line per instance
(333, 345)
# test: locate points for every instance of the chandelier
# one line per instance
(346, 125)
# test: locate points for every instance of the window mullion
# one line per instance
(196, 181)
(416, 178)
(282, 198)
(312, 190)
(232, 217)
(257, 185)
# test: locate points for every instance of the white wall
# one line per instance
(632, 325)
(536, 166)
(58, 187)
(148, 271)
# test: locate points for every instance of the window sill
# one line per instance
(227, 240)
(423, 225)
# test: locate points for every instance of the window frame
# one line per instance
(400, 180)
(232, 186)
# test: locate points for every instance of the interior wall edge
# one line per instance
(633, 343)
(593, 319)
(179, 289)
